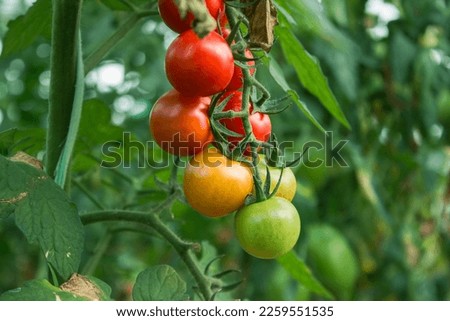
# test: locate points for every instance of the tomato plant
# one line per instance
(171, 16)
(268, 229)
(199, 67)
(180, 124)
(215, 185)
(92, 209)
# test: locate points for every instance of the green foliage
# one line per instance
(24, 30)
(308, 71)
(39, 290)
(78, 288)
(300, 271)
(44, 213)
(159, 283)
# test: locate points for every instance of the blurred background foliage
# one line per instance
(377, 229)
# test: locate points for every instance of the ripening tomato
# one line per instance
(268, 229)
(199, 67)
(214, 185)
(288, 184)
(171, 16)
(180, 124)
(261, 125)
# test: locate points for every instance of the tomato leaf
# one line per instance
(277, 75)
(25, 29)
(275, 106)
(300, 272)
(44, 213)
(39, 290)
(308, 70)
(159, 283)
(78, 288)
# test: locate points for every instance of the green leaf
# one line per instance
(308, 70)
(159, 283)
(7, 140)
(277, 75)
(275, 106)
(39, 290)
(96, 127)
(44, 213)
(30, 140)
(299, 271)
(24, 30)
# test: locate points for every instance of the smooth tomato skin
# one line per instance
(268, 229)
(199, 67)
(214, 185)
(171, 16)
(238, 78)
(261, 124)
(180, 124)
(288, 184)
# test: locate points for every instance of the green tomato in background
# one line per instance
(332, 258)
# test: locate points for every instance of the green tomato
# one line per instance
(333, 259)
(268, 229)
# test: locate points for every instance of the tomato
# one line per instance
(199, 67)
(333, 259)
(180, 124)
(237, 79)
(215, 185)
(288, 184)
(261, 125)
(171, 16)
(268, 229)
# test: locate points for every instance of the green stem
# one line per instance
(183, 248)
(233, 19)
(88, 194)
(229, 114)
(63, 66)
(99, 251)
(95, 57)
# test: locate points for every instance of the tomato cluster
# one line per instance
(180, 122)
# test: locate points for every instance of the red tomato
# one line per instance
(199, 67)
(171, 16)
(261, 125)
(180, 124)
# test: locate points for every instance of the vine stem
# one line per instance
(246, 91)
(183, 248)
(63, 66)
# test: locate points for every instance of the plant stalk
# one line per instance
(63, 66)
(183, 248)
